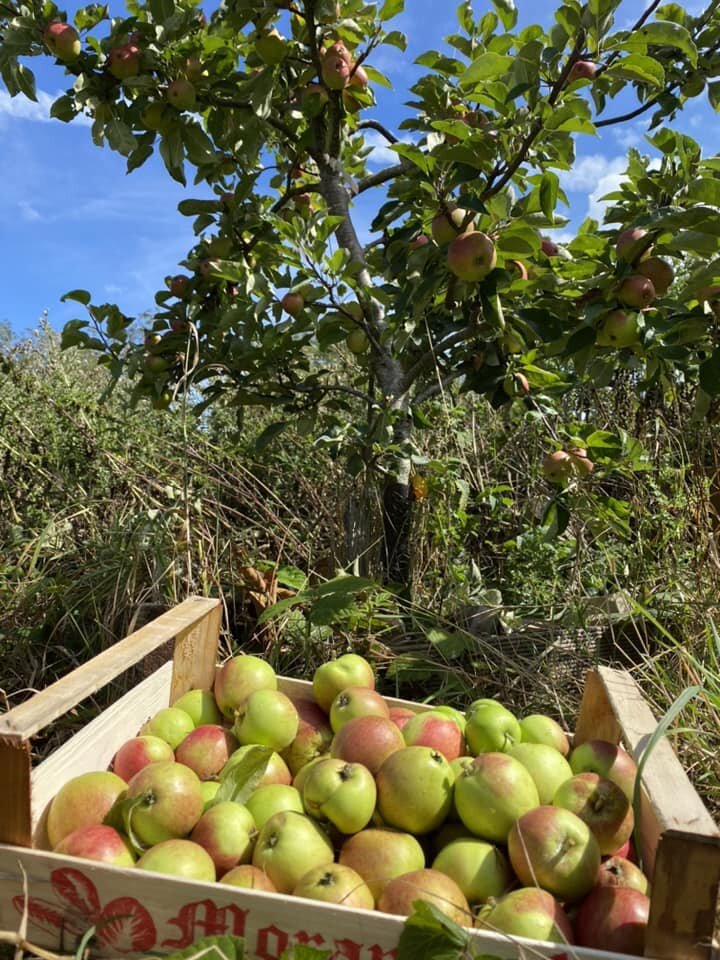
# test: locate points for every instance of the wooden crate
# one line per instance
(56, 899)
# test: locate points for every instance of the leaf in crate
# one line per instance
(212, 948)
(126, 926)
(119, 816)
(77, 890)
(429, 935)
(49, 917)
(240, 779)
(303, 951)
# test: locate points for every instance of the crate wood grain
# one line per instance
(67, 896)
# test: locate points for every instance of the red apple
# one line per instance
(431, 886)
(169, 801)
(582, 70)
(632, 246)
(379, 855)
(607, 759)
(226, 830)
(401, 715)
(471, 256)
(293, 303)
(63, 41)
(602, 805)
(288, 845)
(96, 841)
(636, 291)
(356, 702)
(124, 61)
(436, 730)
(238, 677)
(491, 792)
(179, 858)
(137, 753)
(529, 912)
(415, 789)
(619, 872)
(335, 883)
(557, 467)
(206, 750)
(368, 740)
(421, 240)
(179, 285)
(613, 919)
(554, 849)
(313, 737)
(335, 72)
(549, 247)
(659, 272)
(83, 800)
(349, 670)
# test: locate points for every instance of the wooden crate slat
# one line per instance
(15, 792)
(195, 654)
(26, 719)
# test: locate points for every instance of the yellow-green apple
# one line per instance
(249, 878)
(437, 730)
(618, 329)
(180, 94)
(356, 702)
(613, 919)
(265, 802)
(200, 706)
(636, 291)
(155, 117)
(125, 61)
(430, 886)
(100, 842)
(206, 749)
(271, 47)
(448, 224)
(179, 285)
(179, 858)
(415, 789)
(357, 341)
(516, 385)
(349, 670)
(539, 728)
(659, 272)
(529, 912)
(491, 792)
(288, 845)
(240, 676)
(335, 883)
(209, 790)
(480, 869)
(582, 465)
(582, 70)
(138, 752)
(335, 71)
(169, 724)
(168, 801)
(63, 41)
(457, 715)
(632, 245)
(313, 737)
(293, 303)
(471, 256)
(490, 727)
(368, 740)
(267, 717)
(379, 855)
(401, 715)
(546, 765)
(557, 467)
(620, 872)
(340, 792)
(276, 770)
(298, 781)
(227, 831)
(609, 760)
(83, 800)
(556, 850)
(602, 805)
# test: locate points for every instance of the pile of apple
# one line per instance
(338, 796)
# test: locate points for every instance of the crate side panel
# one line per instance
(195, 655)
(15, 794)
(163, 915)
(23, 721)
(93, 747)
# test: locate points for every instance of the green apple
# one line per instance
(431, 886)
(249, 878)
(200, 706)
(335, 883)
(415, 789)
(288, 845)
(269, 718)
(546, 765)
(179, 858)
(607, 759)
(343, 793)
(168, 801)
(471, 256)
(491, 792)
(356, 702)
(170, 724)
(265, 802)
(538, 728)
(490, 727)
(81, 801)
(528, 912)
(238, 677)
(138, 752)
(437, 729)
(479, 868)
(330, 679)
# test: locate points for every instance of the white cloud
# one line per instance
(630, 136)
(588, 171)
(381, 155)
(20, 108)
(28, 212)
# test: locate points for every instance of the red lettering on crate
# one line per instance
(377, 952)
(347, 949)
(314, 939)
(271, 942)
(204, 919)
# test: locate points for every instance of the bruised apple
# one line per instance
(335, 883)
(602, 805)
(608, 760)
(620, 872)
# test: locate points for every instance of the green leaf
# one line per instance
(548, 191)
(270, 433)
(507, 12)
(80, 296)
(303, 951)
(190, 208)
(450, 645)
(390, 9)
(710, 374)
(173, 154)
(222, 947)
(489, 66)
(713, 92)
(64, 109)
(637, 66)
(239, 779)
(660, 33)
(161, 10)
(429, 935)
(120, 137)
(88, 17)
(555, 519)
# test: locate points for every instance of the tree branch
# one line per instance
(642, 19)
(389, 173)
(374, 125)
(429, 358)
(436, 388)
(243, 105)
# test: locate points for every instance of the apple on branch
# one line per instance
(63, 41)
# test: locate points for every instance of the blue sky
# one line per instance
(70, 216)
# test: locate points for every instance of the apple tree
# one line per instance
(285, 303)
